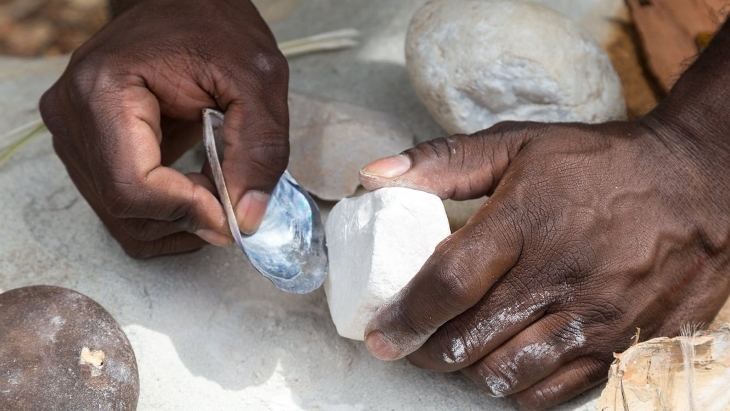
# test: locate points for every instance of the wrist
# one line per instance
(696, 109)
(693, 124)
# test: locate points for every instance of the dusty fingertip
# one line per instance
(215, 238)
(388, 167)
(381, 347)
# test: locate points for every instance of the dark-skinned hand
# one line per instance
(130, 103)
(590, 231)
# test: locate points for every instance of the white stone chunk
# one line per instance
(474, 63)
(377, 243)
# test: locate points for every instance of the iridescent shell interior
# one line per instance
(289, 247)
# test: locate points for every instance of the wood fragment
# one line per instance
(673, 32)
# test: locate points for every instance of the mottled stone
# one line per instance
(474, 63)
(60, 350)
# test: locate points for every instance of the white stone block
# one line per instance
(377, 243)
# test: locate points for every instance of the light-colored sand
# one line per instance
(209, 332)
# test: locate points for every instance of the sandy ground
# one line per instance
(208, 331)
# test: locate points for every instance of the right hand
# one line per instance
(130, 103)
(590, 231)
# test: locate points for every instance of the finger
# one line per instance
(145, 229)
(458, 274)
(178, 136)
(467, 166)
(256, 132)
(127, 172)
(571, 380)
(529, 356)
(140, 238)
(179, 243)
(202, 179)
(505, 311)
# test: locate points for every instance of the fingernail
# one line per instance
(381, 347)
(250, 210)
(215, 238)
(388, 167)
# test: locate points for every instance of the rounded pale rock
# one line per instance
(331, 140)
(601, 18)
(377, 243)
(60, 350)
(474, 63)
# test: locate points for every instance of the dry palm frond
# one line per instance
(15, 139)
(331, 40)
(687, 345)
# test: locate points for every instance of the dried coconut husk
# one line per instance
(690, 372)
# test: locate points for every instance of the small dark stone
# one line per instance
(43, 332)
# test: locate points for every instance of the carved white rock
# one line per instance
(377, 243)
(474, 63)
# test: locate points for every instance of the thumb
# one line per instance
(256, 155)
(459, 167)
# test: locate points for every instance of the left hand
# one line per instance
(130, 104)
(589, 233)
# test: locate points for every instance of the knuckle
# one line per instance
(413, 332)
(52, 112)
(453, 345)
(136, 249)
(48, 106)
(448, 287)
(184, 219)
(81, 77)
(272, 152)
(90, 80)
(272, 67)
(443, 148)
(536, 398)
(118, 199)
(498, 375)
(141, 230)
(269, 157)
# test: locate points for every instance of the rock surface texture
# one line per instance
(377, 243)
(60, 350)
(334, 140)
(474, 63)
